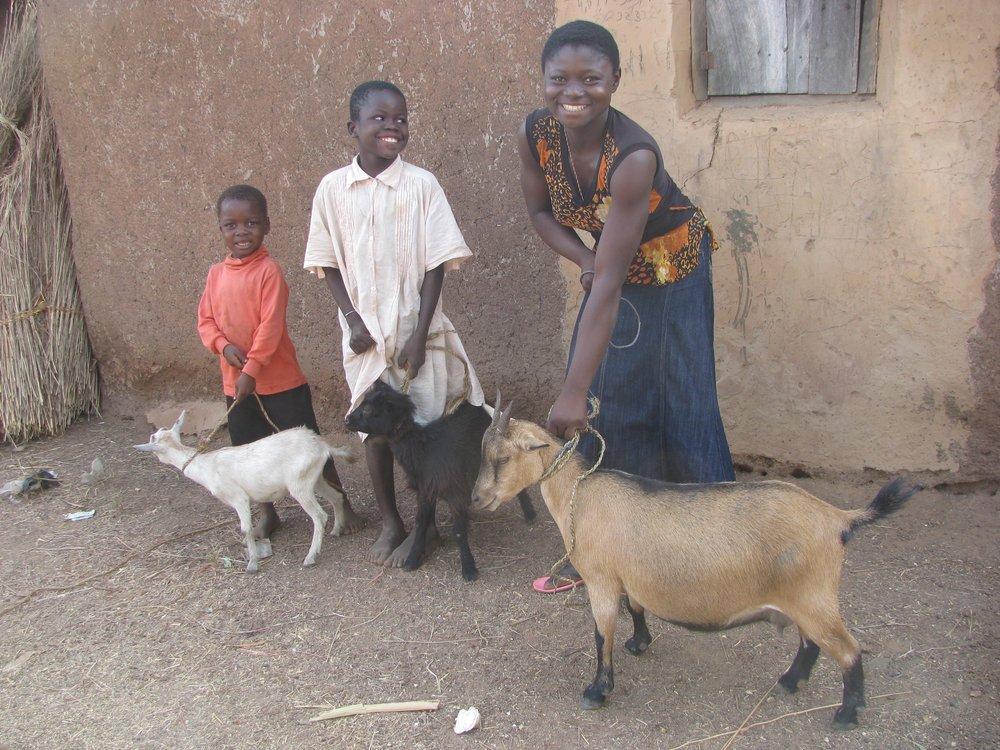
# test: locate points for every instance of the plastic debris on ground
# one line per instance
(40, 480)
(80, 515)
(95, 474)
(467, 720)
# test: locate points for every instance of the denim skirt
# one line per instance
(659, 407)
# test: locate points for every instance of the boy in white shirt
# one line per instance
(383, 235)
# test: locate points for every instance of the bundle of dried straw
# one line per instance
(48, 375)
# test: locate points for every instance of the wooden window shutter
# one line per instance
(744, 47)
(746, 39)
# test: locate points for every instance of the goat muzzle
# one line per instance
(490, 503)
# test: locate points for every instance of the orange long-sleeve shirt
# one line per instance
(244, 304)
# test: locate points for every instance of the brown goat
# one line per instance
(704, 556)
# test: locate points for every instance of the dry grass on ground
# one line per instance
(179, 648)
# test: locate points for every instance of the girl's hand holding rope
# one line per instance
(568, 414)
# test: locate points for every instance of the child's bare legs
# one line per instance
(350, 521)
(267, 522)
(379, 458)
(402, 552)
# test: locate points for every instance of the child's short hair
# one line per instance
(247, 193)
(366, 89)
(582, 34)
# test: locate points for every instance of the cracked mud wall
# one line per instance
(863, 332)
(983, 456)
(857, 306)
(162, 105)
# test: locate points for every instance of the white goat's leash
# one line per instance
(203, 444)
(561, 458)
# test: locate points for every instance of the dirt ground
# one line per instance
(180, 648)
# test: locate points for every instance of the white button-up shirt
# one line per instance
(384, 233)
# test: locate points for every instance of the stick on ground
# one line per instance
(778, 718)
(377, 708)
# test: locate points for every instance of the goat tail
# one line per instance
(889, 499)
(336, 451)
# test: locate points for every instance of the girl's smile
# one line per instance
(579, 82)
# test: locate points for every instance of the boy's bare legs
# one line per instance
(351, 521)
(267, 522)
(379, 458)
(402, 552)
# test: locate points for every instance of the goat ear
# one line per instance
(179, 423)
(145, 447)
(529, 443)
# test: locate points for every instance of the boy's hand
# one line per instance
(361, 339)
(245, 385)
(234, 355)
(412, 355)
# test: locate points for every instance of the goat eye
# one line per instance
(503, 461)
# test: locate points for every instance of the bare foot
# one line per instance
(348, 521)
(387, 541)
(399, 555)
(267, 522)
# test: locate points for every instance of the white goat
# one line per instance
(264, 471)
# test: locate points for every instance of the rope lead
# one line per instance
(561, 458)
(203, 444)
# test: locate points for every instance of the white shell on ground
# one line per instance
(467, 720)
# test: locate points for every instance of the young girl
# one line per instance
(383, 235)
(643, 342)
(241, 318)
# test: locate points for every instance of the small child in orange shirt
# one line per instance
(241, 318)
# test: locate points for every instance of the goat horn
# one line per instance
(496, 410)
(504, 421)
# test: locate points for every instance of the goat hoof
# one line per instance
(789, 684)
(412, 564)
(308, 562)
(636, 646)
(845, 717)
(252, 567)
(592, 699)
(470, 575)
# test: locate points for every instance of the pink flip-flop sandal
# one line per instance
(544, 585)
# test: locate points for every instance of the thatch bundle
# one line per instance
(48, 376)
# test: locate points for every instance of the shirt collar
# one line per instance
(256, 255)
(389, 176)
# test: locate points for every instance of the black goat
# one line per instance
(440, 459)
